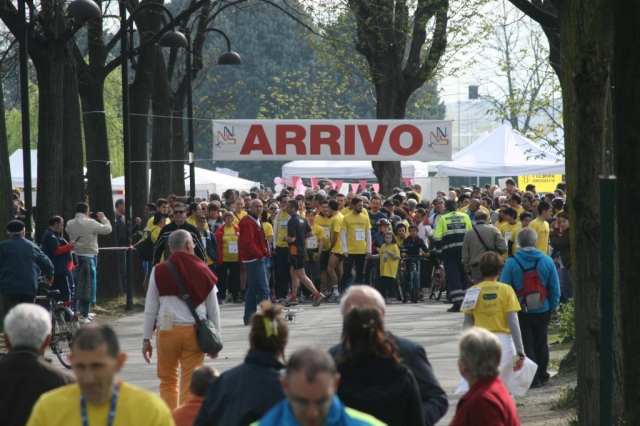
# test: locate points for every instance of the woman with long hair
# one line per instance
(372, 378)
(245, 393)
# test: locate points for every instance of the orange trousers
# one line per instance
(177, 348)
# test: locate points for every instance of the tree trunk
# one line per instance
(73, 189)
(50, 68)
(178, 151)
(6, 197)
(586, 42)
(626, 77)
(162, 106)
(91, 87)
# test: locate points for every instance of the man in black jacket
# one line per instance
(24, 373)
(434, 398)
(179, 222)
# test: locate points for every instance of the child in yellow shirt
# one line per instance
(389, 260)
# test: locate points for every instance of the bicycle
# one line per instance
(414, 276)
(438, 282)
(64, 325)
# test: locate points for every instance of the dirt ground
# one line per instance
(539, 406)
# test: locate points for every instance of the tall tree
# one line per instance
(6, 197)
(580, 34)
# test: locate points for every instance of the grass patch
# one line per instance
(568, 398)
(107, 309)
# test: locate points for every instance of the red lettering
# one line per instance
(256, 141)
(331, 140)
(349, 139)
(297, 140)
(372, 147)
(416, 140)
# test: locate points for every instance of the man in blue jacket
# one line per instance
(21, 261)
(534, 323)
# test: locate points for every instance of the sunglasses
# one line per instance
(178, 212)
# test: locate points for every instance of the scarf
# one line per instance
(197, 278)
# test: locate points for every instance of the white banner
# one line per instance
(377, 140)
(227, 172)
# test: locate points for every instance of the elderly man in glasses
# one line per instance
(161, 251)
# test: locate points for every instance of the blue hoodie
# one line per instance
(512, 275)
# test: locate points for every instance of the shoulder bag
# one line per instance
(208, 336)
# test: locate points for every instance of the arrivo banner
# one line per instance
(381, 140)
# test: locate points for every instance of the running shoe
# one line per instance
(333, 298)
(318, 300)
(291, 302)
(387, 301)
(420, 296)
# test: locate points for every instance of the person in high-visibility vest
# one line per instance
(448, 238)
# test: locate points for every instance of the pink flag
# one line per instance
(288, 181)
(354, 187)
(363, 184)
(296, 181)
(376, 186)
(337, 184)
(314, 182)
(407, 181)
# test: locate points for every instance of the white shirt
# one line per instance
(155, 304)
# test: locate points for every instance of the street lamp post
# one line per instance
(227, 58)
(170, 38)
(84, 9)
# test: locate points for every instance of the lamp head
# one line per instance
(85, 9)
(229, 58)
(172, 39)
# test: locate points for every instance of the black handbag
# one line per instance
(145, 250)
(206, 332)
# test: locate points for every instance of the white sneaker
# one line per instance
(84, 320)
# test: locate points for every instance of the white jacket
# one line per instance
(88, 229)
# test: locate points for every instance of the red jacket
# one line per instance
(219, 234)
(252, 243)
(487, 403)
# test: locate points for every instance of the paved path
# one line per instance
(427, 323)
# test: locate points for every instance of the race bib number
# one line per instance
(233, 247)
(284, 223)
(327, 231)
(507, 235)
(359, 234)
(470, 299)
(312, 243)
(204, 242)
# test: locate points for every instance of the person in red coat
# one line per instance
(488, 401)
(252, 244)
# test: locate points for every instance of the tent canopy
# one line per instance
(205, 180)
(502, 153)
(338, 169)
(17, 172)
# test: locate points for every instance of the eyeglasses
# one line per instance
(304, 405)
(178, 212)
(273, 208)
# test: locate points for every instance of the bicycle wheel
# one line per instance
(435, 283)
(373, 276)
(440, 289)
(415, 285)
(399, 288)
(62, 333)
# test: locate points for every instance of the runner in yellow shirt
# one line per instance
(356, 240)
(238, 211)
(323, 219)
(512, 244)
(334, 265)
(541, 226)
(389, 261)
(507, 229)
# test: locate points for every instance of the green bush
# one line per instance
(567, 321)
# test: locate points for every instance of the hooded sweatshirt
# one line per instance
(512, 275)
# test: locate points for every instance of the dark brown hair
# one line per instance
(274, 340)
(491, 264)
(364, 338)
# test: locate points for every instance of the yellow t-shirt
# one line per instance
(514, 240)
(390, 267)
(313, 243)
(507, 231)
(283, 221)
(229, 236)
(399, 240)
(238, 216)
(153, 232)
(357, 226)
(150, 222)
(336, 226)
(268, 230)
(325, 224)
(494, 301)
(520, 211)
(542, 229)
(135, 406)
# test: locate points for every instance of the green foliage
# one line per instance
(568, 398)
(567, 321)
(14, 122)
(113, 114)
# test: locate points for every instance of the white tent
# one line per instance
(338, 169)
(17, 173)
(205, 180)
(424, 168)
(502, 153)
